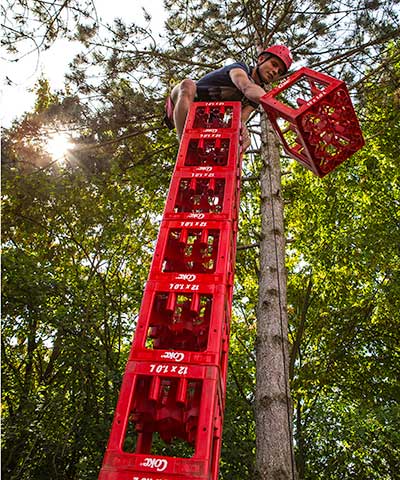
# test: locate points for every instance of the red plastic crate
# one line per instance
(313, 115)
(211, 197)
(224, 116)
(207, 152)
(184, 326)
(184, 404)
(195, 251)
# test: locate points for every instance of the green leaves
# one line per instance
(76, 255)
(345, 230)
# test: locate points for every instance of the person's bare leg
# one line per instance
(182, 95)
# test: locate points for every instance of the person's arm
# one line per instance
(250, 90)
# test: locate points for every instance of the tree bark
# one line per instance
(274, 453)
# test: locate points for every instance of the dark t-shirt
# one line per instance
(218, 86)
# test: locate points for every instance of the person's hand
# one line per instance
(245, 137)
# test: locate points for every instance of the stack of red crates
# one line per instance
(169, 416)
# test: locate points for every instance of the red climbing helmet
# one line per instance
(281, 52)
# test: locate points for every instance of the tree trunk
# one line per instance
(274, 455)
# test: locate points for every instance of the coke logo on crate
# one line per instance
(159, 464)
(177, 356)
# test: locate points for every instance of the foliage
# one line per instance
(77, 242)
(33, 25)
(346, 231)
(74, 264)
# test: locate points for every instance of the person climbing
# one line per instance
(234, 82)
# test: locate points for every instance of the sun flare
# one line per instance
(58, 145)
